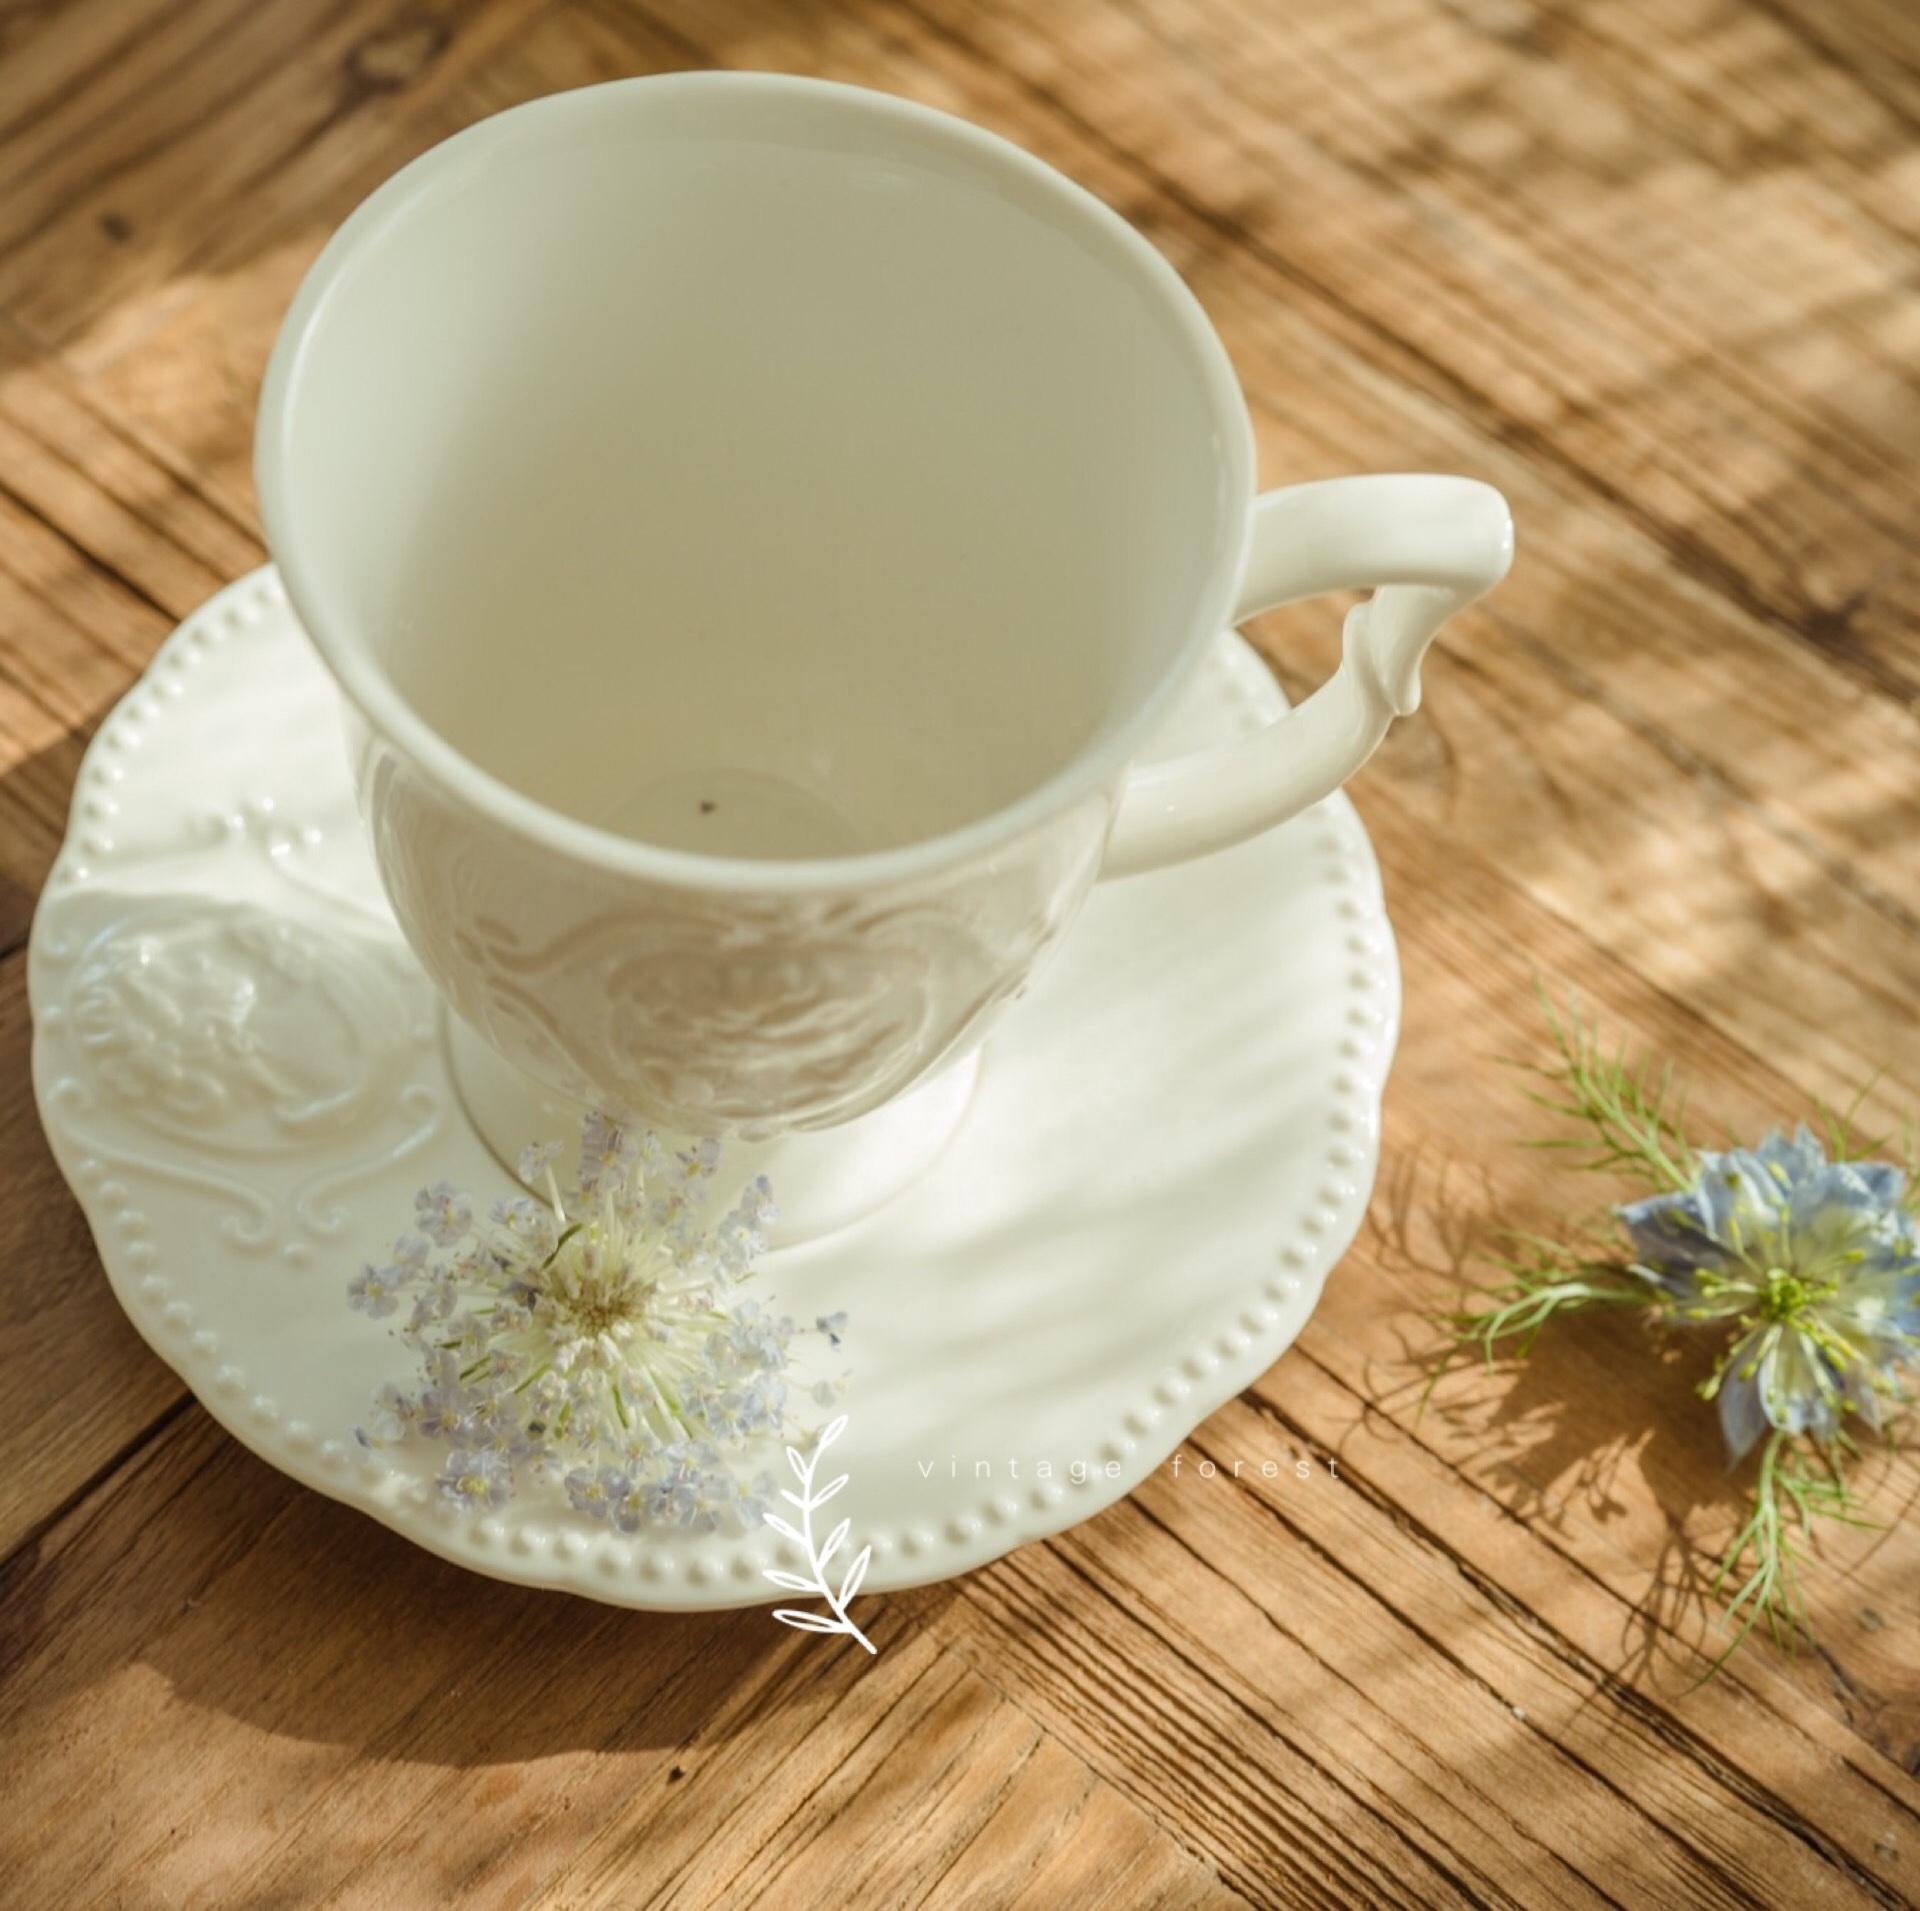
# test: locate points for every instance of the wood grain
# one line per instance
(1653, 267)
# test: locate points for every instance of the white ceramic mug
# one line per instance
(755, 523)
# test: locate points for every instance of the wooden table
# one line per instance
(1651, 266)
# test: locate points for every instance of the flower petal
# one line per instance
(1673, 1238)
(1798, 1386)
(1742, 1418)
(1881, 1183)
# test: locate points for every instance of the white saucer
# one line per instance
(241, 1073)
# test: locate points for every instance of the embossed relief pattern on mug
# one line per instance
(723, 1013)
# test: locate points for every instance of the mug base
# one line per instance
(823, 1180)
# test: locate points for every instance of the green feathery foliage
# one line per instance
(1628, 1120)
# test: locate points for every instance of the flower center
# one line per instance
(592, 1290)
(1784, 1296)
(597, 1310)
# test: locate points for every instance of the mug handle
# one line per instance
(1427, 546)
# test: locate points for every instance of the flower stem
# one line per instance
(1633, 1119)
(1788, 1495)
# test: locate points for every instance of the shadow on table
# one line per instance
(250, 1595)
(257, 1599)
(261, 1601)
(1597, 1434)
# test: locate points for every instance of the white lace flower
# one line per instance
(592, 1334)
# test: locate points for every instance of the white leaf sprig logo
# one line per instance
(809, 1502)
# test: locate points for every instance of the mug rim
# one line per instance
(368, 687)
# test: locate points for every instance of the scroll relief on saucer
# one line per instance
(242, 1072)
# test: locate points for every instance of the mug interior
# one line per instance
(755, 467)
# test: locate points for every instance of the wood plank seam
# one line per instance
(129, 433)
(1601, 1683)
(21, 1558)
(134, 507)
(1660, 1723)
(792, 1668)
(933, 1777)
(130, 585)
(1491, 1807)
(1306, 1832)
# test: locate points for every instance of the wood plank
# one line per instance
(1549, 328)
(1351, 1544)
(42, 756)
(185, 367)
(1604, 829)
(78, 1387)
(1650, 268)
(108, 165)
(1728, 684)
(1871, 44)
(1575, 1630)
(1061, 1840)
(114, 496)
(57, 681)
(373, 1764)
(51, 582)
(102, 548)
(153, 1609)
(1794, 105)
(1124, 1653)
(1595, 1441)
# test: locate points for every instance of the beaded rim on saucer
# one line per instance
(242, 1074)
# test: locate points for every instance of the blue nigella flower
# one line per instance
(1815, 1261)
